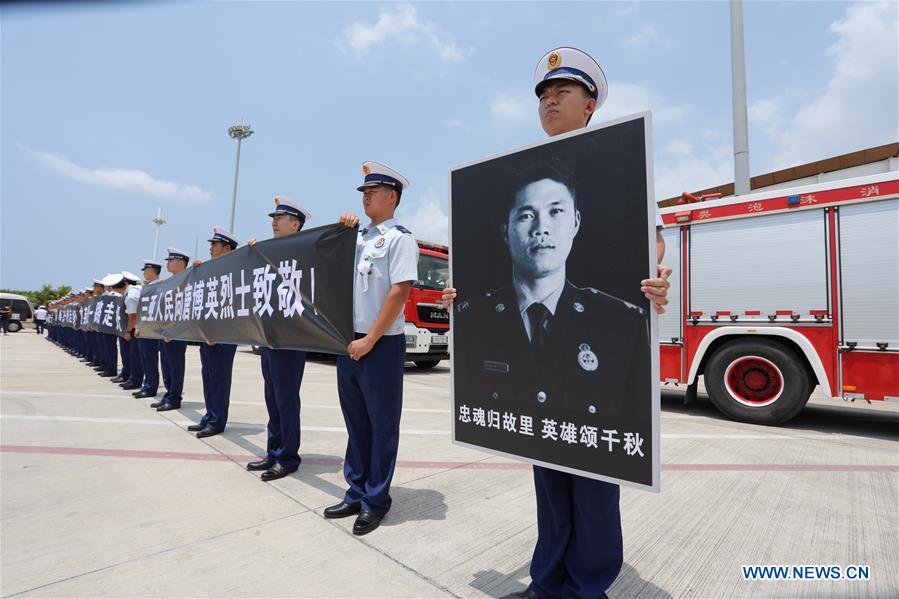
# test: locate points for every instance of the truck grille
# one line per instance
(432, 314)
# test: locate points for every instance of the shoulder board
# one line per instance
(402, 229)
(601, 294)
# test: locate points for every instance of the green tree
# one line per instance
(46, 294)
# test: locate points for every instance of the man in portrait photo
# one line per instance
(552, 345)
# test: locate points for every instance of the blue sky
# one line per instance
(110, 112)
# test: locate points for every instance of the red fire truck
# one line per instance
(427, 322)
(776, 292)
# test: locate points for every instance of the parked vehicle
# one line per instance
(427, 322)
(776, 292)
(22, 311)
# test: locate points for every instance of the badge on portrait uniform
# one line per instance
(380, 242)
(587, 359)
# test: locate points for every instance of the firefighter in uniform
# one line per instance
(132, 303)
(99, 361)
(109, 350)
(370, 378)
(149, 348)
(282, 370)
(579, 549)
(173, 350)
(124, 376)
(216, 359)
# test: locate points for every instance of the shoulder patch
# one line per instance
(633, 308)
(402, 229)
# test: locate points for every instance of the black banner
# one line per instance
(295, 292)
(104, 314)
(554, 352)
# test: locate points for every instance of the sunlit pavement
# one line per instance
(102, 496)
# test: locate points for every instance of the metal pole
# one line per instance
(738, 80)
(158, 222)
(238, 132)
(234, 192)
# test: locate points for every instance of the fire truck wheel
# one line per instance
(760, 382)
(427, 365)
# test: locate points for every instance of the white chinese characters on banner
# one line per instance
(218, 298)
(590, 437)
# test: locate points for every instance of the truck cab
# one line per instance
(427, 322)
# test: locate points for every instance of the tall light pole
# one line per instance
(240, 133)
(158, 221)
(738, 82)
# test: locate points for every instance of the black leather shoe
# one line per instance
(528, 593)
(165, 407)
(365, 523)
(141, 394)
(156, 404)
(275, 472)
(117, 379)
(196, 427)
(106, 375)
(341, 510)
(209, 432)
(129, 387)
(263, 464)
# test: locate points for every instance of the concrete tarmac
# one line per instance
(104, 497)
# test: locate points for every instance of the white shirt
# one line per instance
(132, 299)
(525, 300)
(388, 256)
(40, 314)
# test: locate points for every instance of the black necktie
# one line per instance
(538, 316)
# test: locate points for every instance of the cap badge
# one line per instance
(366, 170)
(586, 358)
(553, 61)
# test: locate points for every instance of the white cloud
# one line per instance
(628, 98)
(122, 179)
(425, 217)
(647, 35)
(400, 24)
(857, 108)
(679, 166)
(508, 109)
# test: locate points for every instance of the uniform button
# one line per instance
(591, 409)
(541, 397)
(495, 395)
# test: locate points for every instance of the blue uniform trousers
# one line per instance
(137, 367)
(149, 359)
(579, 548)
(94, 342)
(217, 363)
(282, 370)
(164, 365)
(371, 398)
(110, 353)
(173, 353)
(125, 353)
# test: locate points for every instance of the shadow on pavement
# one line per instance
(840, 417)
(628, 584)
(411, 505)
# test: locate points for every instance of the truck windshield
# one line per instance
(432, 272)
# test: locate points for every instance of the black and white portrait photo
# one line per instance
(553, 345)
